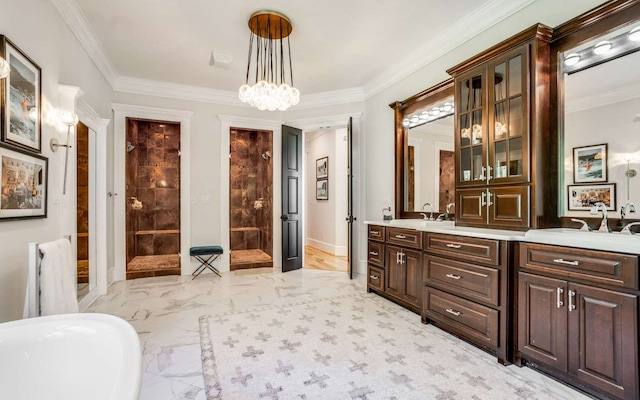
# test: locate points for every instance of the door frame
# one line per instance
(70, 100)
(334, 122)
(307, 124)
(120, 114)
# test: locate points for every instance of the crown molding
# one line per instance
(461, 32)
(177, 91)
(328, 122)
(156, 112)
(72, 15)
(343, 96)
(86, 111)
(603, 98)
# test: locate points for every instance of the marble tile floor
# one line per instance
(165, 312)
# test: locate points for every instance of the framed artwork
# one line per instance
(583, 197)
(21, 99)
(23, 184)
(322, 189)
(590, 164)
(322, 168)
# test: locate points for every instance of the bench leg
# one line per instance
(206, 264)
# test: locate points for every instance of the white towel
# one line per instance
(58, 293)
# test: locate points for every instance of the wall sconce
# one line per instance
(4, 68)
(69, 119)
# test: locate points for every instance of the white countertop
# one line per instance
(615, 242)
(447, 227)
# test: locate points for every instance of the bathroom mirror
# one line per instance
(600, 105)
(425, 165)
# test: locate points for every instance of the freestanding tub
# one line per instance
(69, 357)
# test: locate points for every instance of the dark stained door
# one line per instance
(291, 198)
(350, 217)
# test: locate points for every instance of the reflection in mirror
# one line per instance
(602, 106)
(430, 172)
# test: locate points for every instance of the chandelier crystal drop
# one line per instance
(270, 90)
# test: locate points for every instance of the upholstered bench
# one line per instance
(200, 252)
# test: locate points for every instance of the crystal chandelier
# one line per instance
(270, 90)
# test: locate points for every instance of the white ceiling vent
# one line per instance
(220, 60)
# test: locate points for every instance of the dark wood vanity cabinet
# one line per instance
(502, 112)
(578, 317)
(466, 287)
(395, 265)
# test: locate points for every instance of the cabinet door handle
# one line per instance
(454, 246)
(401, 236)
(398, 258)
(489, 202)
(451, 311)
(401, 257)
(489, 169)
(483, 199)
(374, 277)
(559, 302)
(452, 276)
(572, 306)
(561, 261)
(373, 253)
(482, 175)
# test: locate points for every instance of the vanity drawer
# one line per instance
(404, 237)
(471, 281)
(485, 251)
(375, 278)
(465, 318)
(375, 253)
(588, 265)
(376, 232)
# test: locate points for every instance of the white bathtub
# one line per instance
(69, 357)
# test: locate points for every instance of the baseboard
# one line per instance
(361, 267)
(327, 247)
(87, 300)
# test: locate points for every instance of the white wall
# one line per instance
(38, 30)
(614, 125)
(325, 219)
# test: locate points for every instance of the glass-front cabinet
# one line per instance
(498, 116)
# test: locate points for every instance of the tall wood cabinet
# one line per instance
(578, 317)
(502, 118)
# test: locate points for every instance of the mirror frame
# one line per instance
(427, 97)
(584, 28)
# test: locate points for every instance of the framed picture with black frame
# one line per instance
(590, 164)
(322, 189)
(584, 197)
(322, 168)
(23, 184)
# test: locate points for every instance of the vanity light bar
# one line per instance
(603, 51)
(426, 116)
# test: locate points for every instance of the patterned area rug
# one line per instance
(350, 347)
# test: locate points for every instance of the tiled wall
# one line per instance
(153, 177)
(251, 190)
(447, 180)
(82, 206)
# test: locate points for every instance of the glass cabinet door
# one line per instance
(508, 126)
(471, 132)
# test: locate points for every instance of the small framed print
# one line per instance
(322, 168)
(583, 197)
(23, 184)
(590, 164)
(322, 189)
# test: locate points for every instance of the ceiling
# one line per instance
(336, 44)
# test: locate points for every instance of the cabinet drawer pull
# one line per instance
(559, 302)
(572, 306)
(374, 277)
(454, 246)
(451, 311)
(452, 276)
(561, 261)
(373, 253)
(375, 233)
(401, 236)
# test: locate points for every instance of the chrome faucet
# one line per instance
(585, 227)
(448, 208)
(627, 231)
(431, 207)
(424, 216)
(604, 225)
(629, 207)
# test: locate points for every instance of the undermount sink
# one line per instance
(614, 241)
(421, 223)
(70, 357)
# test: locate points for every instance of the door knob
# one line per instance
(284, 218)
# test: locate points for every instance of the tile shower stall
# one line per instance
(152, 198)
(251, 184)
